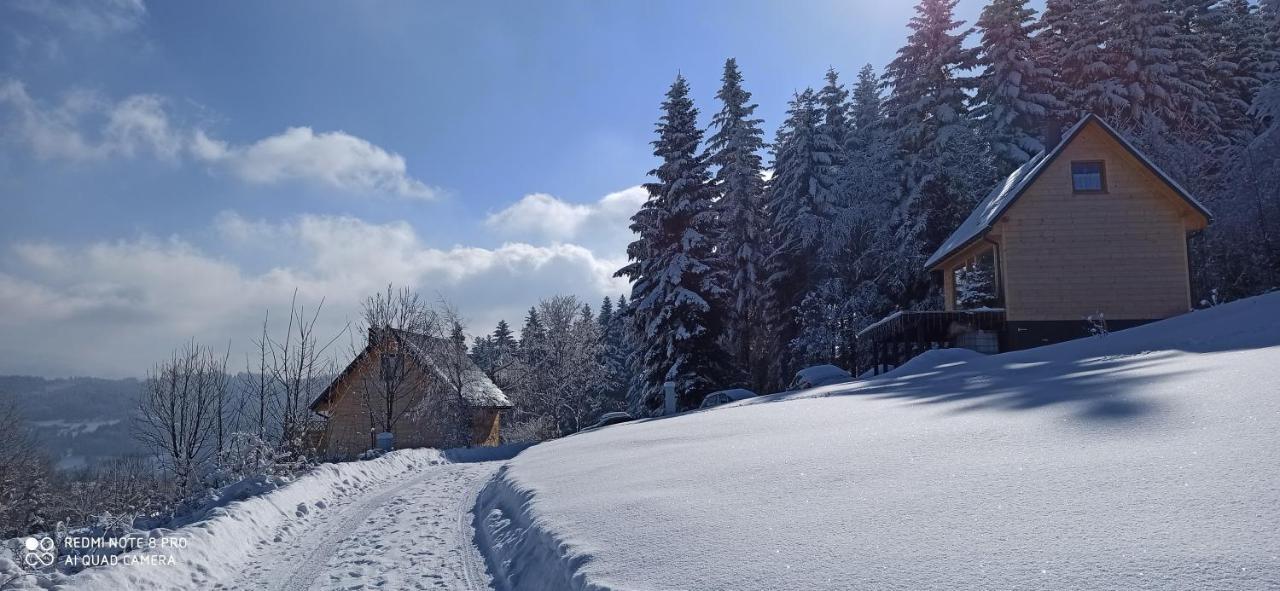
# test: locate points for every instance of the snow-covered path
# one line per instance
(413, 534)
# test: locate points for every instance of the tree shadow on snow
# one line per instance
(1112, 378)
(1104, 388)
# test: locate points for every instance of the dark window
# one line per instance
(391, 367)
(1088, 177)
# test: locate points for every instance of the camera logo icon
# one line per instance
(39, 553)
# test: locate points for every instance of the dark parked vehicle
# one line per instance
(609, 418)
(719, 397)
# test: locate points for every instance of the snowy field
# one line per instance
(1144, 459)
(401, 521)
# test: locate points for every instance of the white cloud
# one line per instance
(135, 126)
(85, 126)
(93, 17)
(336, 159)
(112, 308)
(602, 226)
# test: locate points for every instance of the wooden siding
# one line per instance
(1067, 255)
(438, 417)
(486, 426)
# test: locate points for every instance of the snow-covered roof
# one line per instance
(477, 389)
(1004, 194)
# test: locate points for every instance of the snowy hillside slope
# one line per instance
(398, 521)
(1144, 459)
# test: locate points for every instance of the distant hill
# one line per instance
(78, 420)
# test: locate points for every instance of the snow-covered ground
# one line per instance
(401, 521)
(1144, 459)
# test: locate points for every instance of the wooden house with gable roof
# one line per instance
(1090, 231)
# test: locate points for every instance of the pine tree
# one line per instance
(734, 148)
(928, 99)
(802, 199)
(866, 109)
(1143, 46)
(615, 351)
(502, 336)
(833, 99)
(532, 330)
(606, 312)
(872, 182)
(674, 285)
(1234, 35)
(1266, 105)
(1071, 43)
(1013, 100)
(945, 167)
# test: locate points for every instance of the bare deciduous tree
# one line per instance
(297, 369)
(177, 412)
(388, 319)
(25, 475)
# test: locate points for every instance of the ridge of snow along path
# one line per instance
(1144, 459)
(402, 521)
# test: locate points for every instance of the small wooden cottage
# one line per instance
(1087, 234)
(439, 398)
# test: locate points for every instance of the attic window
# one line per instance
(391, 366)
(1088, 177)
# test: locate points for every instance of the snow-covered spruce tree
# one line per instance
(1143, 45)
(945, 168)
(1197, 23)
(1070, 42)
(497, 354)
(802, 200)
(674, 285)
(866, 108)
(833, 99)
(615, 349)
(1237, 39)
(871, 168)
(872, 178)
(1013, 100)
(734, 148)
(827, 317)
(835, 306)
(1270, 10)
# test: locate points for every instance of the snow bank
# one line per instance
(933, 360)
(218, 548)
(520, 553)
(1145, 459)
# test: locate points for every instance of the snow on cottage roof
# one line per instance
(477, 390)
(1004, 194)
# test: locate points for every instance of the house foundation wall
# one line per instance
(1025, 334)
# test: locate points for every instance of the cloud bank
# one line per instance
(110, 308)
(87, 127)
(603, 226)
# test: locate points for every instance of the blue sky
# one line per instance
(172, 170)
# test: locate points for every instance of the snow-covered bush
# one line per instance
(1096, 324)
(247, 455)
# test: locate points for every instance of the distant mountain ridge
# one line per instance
(79, 421)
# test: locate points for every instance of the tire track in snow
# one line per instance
(474, 572)
(396, 538)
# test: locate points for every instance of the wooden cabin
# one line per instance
(440, 398)
(1085, 236)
